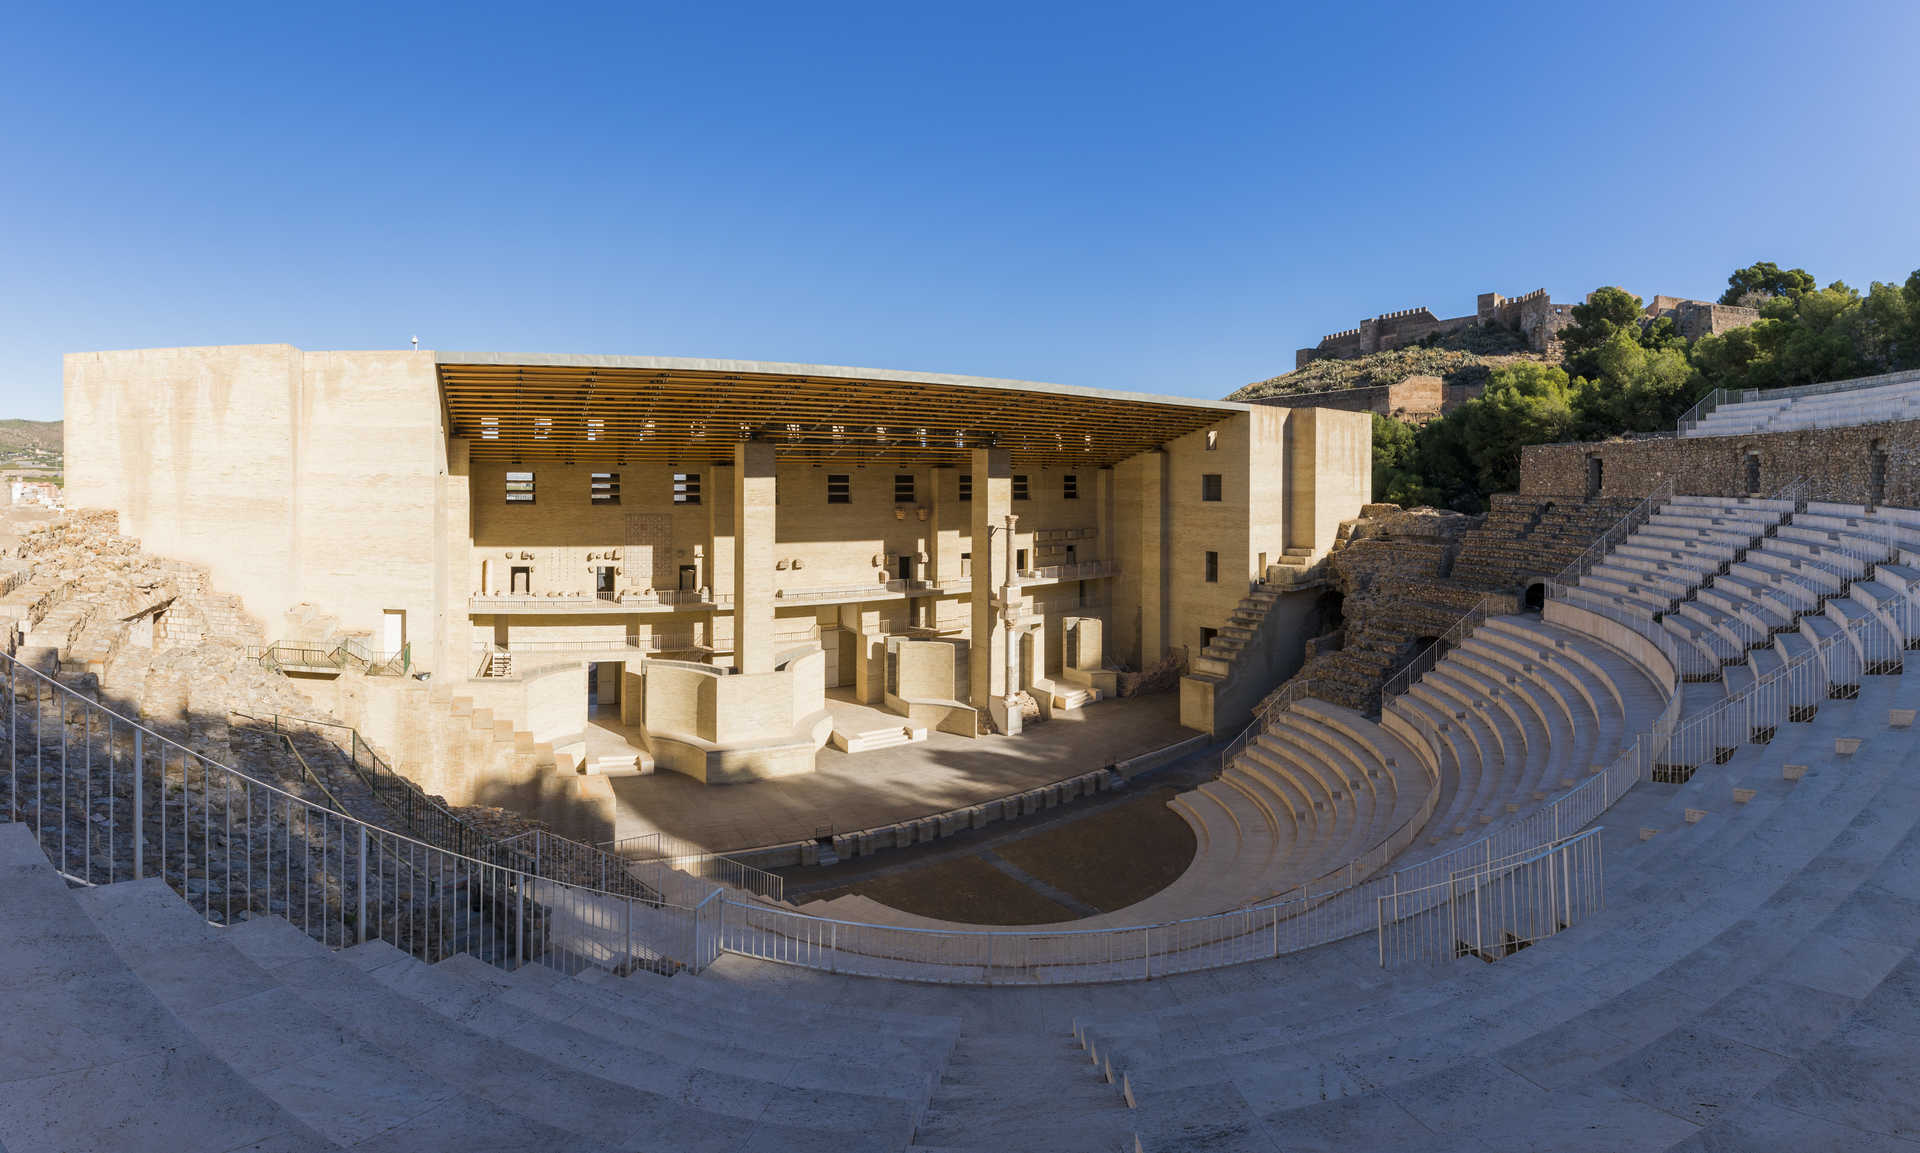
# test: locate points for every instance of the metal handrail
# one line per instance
(420, 812)
(664, 850)
(1638, 515)
(1720, 396)
(341, 879)
(1423, 661)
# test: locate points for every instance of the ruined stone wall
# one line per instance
(1838, 462)
(1697, 318)
(1532, 313)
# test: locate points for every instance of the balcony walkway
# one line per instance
(882, 786)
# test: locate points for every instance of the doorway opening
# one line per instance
(393, 632)
(1536, 598)
(603, 685)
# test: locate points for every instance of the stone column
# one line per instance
(753, 559)
(992, 553)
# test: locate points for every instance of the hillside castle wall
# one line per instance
(1532, 315)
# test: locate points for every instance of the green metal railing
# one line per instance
(351, 654)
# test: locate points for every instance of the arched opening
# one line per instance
(1536, 597)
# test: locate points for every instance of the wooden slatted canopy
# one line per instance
(621, 409)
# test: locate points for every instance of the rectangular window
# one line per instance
(686, 488)
(1070, 486)
(966, 486)
(1020, 486)
(1210, 486)
(519, 488)
(903, 488)
(839, 488)
(1020, 560)
(1213, 568)
(605, 488)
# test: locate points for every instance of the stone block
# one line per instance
(1793, 772)
(1742, 796)
(1845, 746)
(951, 823)
(902, 836)
(977, 817)
(1900, 718)
(1694, 816)
(1647, 832)
(926, 830)
(869, 843)
(810, 853)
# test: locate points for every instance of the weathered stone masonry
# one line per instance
(1838, 461)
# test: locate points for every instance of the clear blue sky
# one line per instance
(1168, 197)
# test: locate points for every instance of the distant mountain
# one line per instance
(32, 436)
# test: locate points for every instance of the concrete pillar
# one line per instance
(720, 560)
(1153, 557)
(1103, 549)
(753, 559)
(992, 553)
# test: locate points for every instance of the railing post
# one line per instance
(360, 912)
(139, 805)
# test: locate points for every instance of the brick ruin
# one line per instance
(1407, 575)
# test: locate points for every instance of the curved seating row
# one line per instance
(1754, 983)
(1823, 571)
(1897, 398)
(257, 1036)
(1521, 710)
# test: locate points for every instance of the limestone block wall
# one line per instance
(562, 527)
(1196, 527)
(1838, 462)
(292, 476)
(720, 728)
(562, 536)
(1330, 473)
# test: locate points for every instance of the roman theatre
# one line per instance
(446, 751)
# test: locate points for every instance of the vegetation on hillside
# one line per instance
(1466, 357)
(35, 444)
(1619, 377)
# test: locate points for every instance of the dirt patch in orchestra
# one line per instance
(1108, 859)
(963, 889)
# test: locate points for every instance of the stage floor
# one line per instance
(879, 787)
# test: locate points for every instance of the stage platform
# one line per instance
(882, 786)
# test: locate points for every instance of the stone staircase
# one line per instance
(1216, 661)
(156, 1030)
(885, 737)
